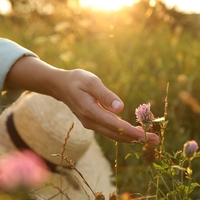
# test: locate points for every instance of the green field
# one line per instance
(136, 52)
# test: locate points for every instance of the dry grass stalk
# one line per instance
(73, 167)
(65, 143)
(60, 191)
(62, 158)
(71, 163)
(82, 186)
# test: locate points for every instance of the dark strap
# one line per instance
(20, 144)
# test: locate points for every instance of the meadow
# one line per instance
(136, 52)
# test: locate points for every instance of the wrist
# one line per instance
(57, 82)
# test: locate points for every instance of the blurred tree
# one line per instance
(160, 13)
(42, 8)
(37, 6)
(14, 2)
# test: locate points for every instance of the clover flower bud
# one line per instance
(143, 114)
(190, 148)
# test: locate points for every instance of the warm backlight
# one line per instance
(106, 4)
(187, 6)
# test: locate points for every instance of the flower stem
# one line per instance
(145, 133)
(157, 188)
(116, 168)
(190, 175)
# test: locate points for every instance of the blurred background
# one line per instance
(136, 48)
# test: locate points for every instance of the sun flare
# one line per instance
(107, 4)
(191, 6)
(5, 6)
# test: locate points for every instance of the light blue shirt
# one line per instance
(10, 52)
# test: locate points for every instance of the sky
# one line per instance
(189, 6)
(183, 5)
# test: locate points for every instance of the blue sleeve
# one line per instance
(10, 52)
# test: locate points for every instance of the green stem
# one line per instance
(116, 169)
(190, 176)
(145, 135)
(173, 184)
(176, 184)
(165, 184)
(157, 188)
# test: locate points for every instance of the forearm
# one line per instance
(30, 73)
(81, 91)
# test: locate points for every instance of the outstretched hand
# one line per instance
(83, 92)
(96, 107)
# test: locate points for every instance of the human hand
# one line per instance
(83, 92)
(96, 106)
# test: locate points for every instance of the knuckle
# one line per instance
(92, 80)
(106, 96)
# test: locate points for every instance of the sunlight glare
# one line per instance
(192, 6)
(109, 5)
(106, 4)
(5, 7)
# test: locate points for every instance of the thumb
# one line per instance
(117, 105)
(105, 97)
(111, 101)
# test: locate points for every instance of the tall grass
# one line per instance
(136, 54)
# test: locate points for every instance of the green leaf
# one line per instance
(137, 154)
(192, 186)
(165, 163)
(128, 155)
(173, 171)
(157, 166)
(182, 189)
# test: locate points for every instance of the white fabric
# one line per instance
(10, 52)
(93, 165)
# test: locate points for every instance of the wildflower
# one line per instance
(190, 148)
(21, 170)
(143, 114)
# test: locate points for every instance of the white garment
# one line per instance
(10, 52)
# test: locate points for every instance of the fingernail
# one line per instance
(116, 104)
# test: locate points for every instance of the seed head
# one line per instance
(113, 196)
(99, 196)
(149, 153)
